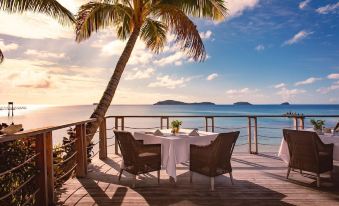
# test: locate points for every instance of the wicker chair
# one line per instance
(138, 158)
(308, 153)
(214, 159)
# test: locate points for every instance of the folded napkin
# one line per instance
(12, 129)
(194, 133)
(158, 133)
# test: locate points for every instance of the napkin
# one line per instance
(12, 129)
(158, 133)
(194, 133)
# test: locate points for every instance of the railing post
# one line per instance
(161, 122)
(296, 125)
(302, 122)
(116, 149)
(44, 163)
(206, 124)
(249, 135)
(255, 134)
(103, 140)
(122, 123)
(81, 148)
(212, 124)
(167, 122)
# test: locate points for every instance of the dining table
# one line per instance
(175, 148)
(326, 138)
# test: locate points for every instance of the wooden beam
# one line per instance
(255, 134)
(81, 149)
(249, 129)
(116, 148)
(41, 165)
(103, 140)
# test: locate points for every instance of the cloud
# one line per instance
(310, 80)
(297, 37)
(212, 76)
(244, 94)
(287, 94)
(170, 82)
(303, 4)
(333, 76)
(237, 92)
(139, 74)
(206, 35)
(278, 86)
(333, 87)
(260, 47)
(237, 7)
(33, 26)
(44, 84)
(329, 8)
(7, 47)
(44, 54)
(175, 58)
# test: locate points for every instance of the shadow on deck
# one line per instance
(259, 180)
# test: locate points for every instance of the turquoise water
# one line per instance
(269, 128)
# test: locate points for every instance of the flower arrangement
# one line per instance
(318, 124)
(176, 126)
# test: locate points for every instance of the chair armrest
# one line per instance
(152, 148)
(328, 148)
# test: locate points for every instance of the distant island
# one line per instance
(173, 102)
(242, 103)
(285, 103)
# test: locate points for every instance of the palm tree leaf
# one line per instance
(213, 9)
(187, 35)
(96, 15)
(153, 33)
(1, 57)
(50, 7)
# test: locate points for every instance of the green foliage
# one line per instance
(317, 124)
(13, 154)
(176, 123)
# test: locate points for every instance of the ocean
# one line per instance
(269, 129)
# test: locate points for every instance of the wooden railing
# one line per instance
(43, 155)
(43, 161)
(252, 126)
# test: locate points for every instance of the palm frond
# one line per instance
(96, 15)
(1, 57)
(153, 33)
(187, 35)
(213, 9)
(49, 7)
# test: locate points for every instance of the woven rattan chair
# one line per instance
(214, 159)
(308, 153)
(138, 158)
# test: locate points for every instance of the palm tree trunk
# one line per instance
(1, 57)
(106, 99)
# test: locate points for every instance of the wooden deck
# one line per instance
(259, 180)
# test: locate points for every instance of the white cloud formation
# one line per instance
(170, 82)
(333, 76)
(139, 74)
(175, 58)
(333, 87)
(260, 47)
(212, 76)
(287, 94)
(244, 94)
(206, 35)
(278, 86)
(44, 54)
(329, 8)
(303, 4)
(237, 7)
(310, 80)
(297, 37)
(33, 26)
(8, 47)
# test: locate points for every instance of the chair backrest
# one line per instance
(128, 147)
(303, 149)
(223, 148)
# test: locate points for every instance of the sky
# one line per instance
(265, 52)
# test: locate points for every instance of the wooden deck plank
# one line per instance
(259, 180)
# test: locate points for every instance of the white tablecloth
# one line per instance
(175, 149)
(326, 138)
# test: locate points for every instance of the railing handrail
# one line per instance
(221, 116)
(33, 132)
